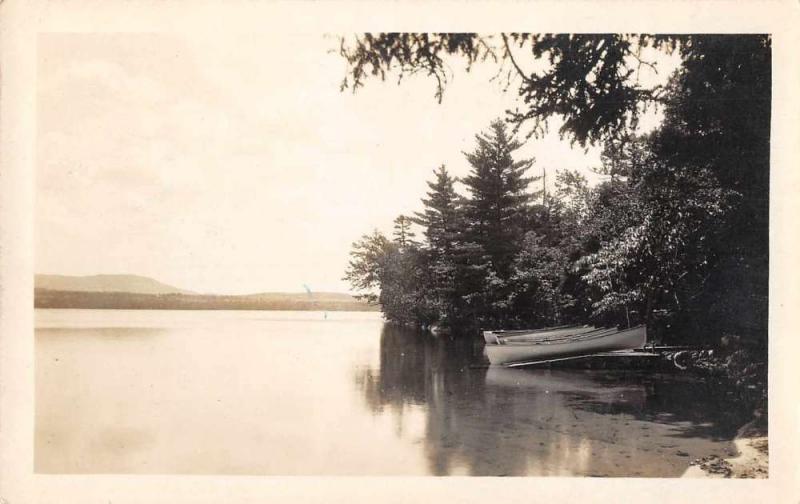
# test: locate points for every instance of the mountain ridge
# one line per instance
(140, 292)
(140, 284)
(134, 284)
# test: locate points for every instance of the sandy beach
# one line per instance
(752, 460)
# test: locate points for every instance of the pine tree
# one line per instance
(440, 221)
(497, 211)
(403, 235)
(496, 218)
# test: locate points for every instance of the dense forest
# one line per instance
(676, 235)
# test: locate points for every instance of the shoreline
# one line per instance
(751, 460)
(98, 300)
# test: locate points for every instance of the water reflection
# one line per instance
(497, 421)
(274, 393)
(416, 368)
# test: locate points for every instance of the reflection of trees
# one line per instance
(416, 368)
(474, 423)
(517, 422)
(706, 408)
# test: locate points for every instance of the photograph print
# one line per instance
(402, 254)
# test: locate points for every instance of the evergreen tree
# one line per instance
(499, 203)
(440, 221)
(403, 235)
(496, 213)
(440, 217)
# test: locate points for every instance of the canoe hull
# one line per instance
(495, 337)
(515, 352)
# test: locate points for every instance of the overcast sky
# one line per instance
(235, 165)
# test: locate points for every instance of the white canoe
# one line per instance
(493, 337)
(507, 352)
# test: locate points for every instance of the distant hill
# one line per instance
(132, 292)
(134, 284)
(328, 297)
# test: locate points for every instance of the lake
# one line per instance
(341, 393)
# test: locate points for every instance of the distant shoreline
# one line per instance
(57, 299)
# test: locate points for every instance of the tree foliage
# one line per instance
(403, 234)
(677, 233)
(590, 80)
(367, 269)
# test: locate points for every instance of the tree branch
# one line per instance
(513, 61)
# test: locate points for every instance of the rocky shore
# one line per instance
(751, 461)
(747, 372)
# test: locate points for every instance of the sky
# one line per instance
(236, 165)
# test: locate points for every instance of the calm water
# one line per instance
(305, 393)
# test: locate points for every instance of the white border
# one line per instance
(20, 21)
